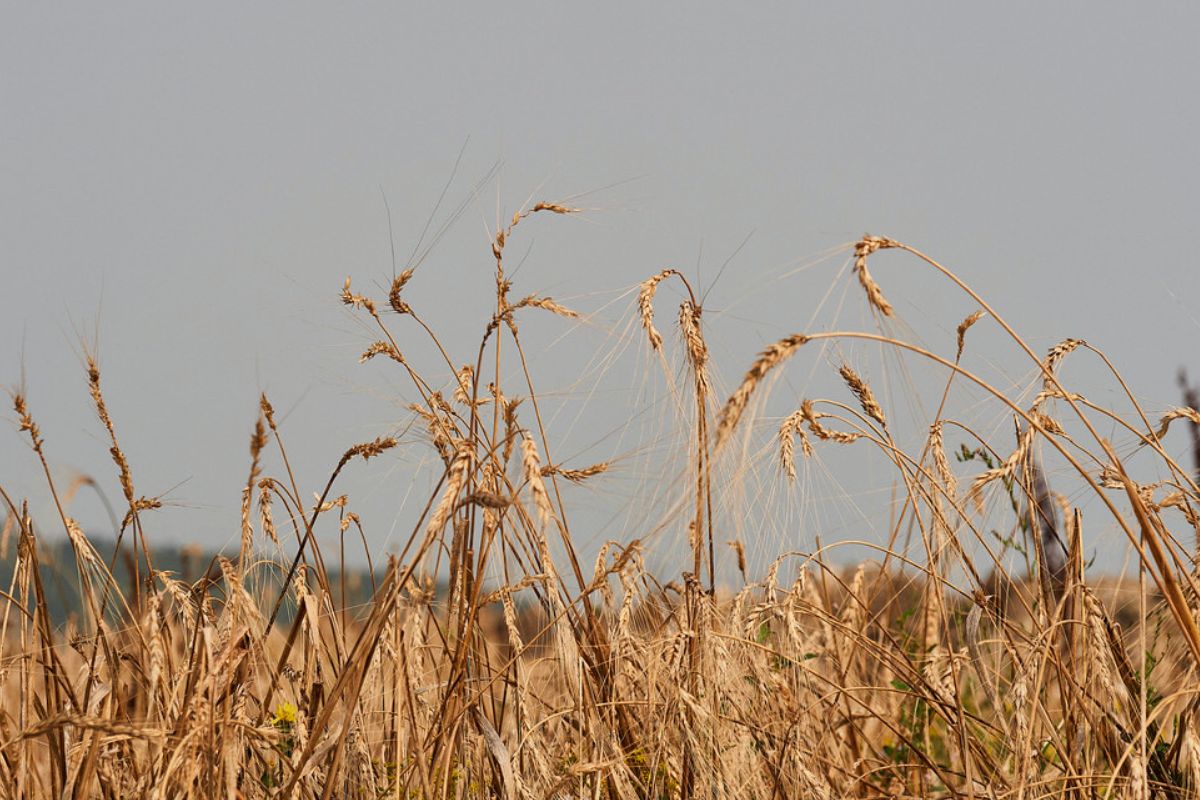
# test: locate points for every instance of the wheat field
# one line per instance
(496, 659)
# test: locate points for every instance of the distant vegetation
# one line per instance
(189, 563)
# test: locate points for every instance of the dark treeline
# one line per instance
(188, 563)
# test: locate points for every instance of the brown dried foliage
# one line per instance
(936, 673)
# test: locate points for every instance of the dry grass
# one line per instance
(931, 672)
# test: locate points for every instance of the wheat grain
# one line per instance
(533, 477)
(788, 431)
(546, 304)
(398, 283)
(961, 331)
(646, 306)
(865, 247)
(697, 350)
(813, 417)
(767, 360)
(1185, 412)
(576, 475)
(357, 300)
(381, 348)
(866, 398)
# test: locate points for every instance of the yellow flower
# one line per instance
(285, 714)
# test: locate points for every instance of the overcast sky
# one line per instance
(194, 182)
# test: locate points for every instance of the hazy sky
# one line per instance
(194, 182)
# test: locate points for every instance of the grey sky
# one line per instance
(197, 181)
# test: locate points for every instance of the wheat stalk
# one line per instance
(767, 360)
